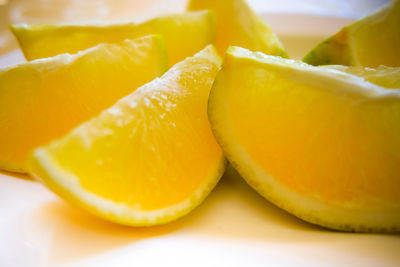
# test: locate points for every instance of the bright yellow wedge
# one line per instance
(43, 99)
(238, 24)
(322, 144)
(184, 35)
(149, 159)
(369, 42)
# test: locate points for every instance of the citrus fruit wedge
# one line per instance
(238, 24)
(384, 76)
(370, 42)
(184, 35)
(148, 159)
(322, 144)
(43, 99)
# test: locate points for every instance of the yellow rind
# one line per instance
(334, 50)
(54, 177)
(378, 35)
(12, 167)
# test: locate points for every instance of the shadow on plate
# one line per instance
(23, 176)
(76, 234)
(233, 212)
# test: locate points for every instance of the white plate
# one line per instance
(233, 227)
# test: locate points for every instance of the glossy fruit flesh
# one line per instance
(149, 159)
(43, 99)
(324, 145)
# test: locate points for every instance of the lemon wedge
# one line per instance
(149, 159)
(369, 42)
(43, 99)
(322, 144)
(184, 35)
(238, 24)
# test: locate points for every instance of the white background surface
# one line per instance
(233, 227)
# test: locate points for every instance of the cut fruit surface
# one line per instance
(238, 24)
(369, 42)
(43, 99)
(384, 76)
(184, 35)
(150, 158)
(322, 144)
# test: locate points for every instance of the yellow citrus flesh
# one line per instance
(384, 76)
(150, 158)
(43, 99)
(238, 24)
(370, 42)
(184, 35)
(322, 144)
